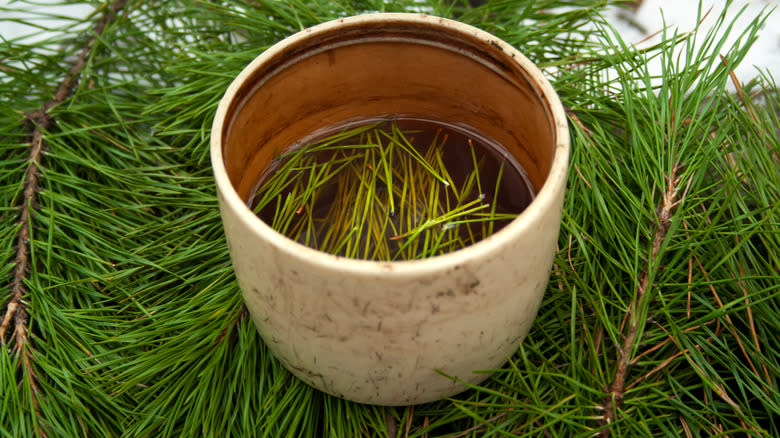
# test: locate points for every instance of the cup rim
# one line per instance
(545, 198)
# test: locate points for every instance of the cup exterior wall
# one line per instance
(387, 333)
(380, 338)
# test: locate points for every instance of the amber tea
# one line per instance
(392, 189)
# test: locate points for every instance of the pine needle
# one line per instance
(367, 158)
(661, 315)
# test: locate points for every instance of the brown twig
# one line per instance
(752, 324)
(390, 423)
(409, 418)
(719, 389)
(670, 339)
(16, 316)
(568, 255)
(426, 423)
(559, 270)
(669, 360)
(686, 428)
(41, 120)
(748, 107)
(7, 69)
(242, 313)
(690, 273)
(579, 123)
(731, 326)
(630, 325)
(740, 91)
(635, 4)
(577, 168)
(598, 338)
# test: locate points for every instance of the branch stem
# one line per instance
(15, 318)
(617, 388)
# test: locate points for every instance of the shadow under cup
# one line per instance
(376, 332)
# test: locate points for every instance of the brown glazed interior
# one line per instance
(391, 67)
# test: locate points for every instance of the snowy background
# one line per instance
(634, 26)
(649, 19)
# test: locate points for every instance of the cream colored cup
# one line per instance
(376, 332)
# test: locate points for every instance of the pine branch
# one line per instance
(41, 121)
(16, 316)
(617, 388)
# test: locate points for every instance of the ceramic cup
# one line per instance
(377, 332)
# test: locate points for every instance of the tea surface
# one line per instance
(392, 189)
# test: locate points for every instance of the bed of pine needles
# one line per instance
(120, 314)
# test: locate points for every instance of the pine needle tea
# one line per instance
(392, 189)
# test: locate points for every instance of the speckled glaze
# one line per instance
(376, 332)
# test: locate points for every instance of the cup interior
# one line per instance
(382, 66)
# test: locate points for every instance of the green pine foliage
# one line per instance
(662, 313)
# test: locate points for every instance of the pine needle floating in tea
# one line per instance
(400, 189)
